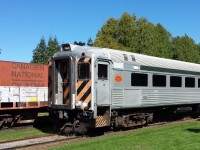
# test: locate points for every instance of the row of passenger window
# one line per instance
(141, 79)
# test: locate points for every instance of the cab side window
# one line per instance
(102, 71)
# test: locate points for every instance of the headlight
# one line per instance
(85, 105)
(79, 103)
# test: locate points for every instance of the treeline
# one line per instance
(138, 35)
(133, 34)
(43, 52)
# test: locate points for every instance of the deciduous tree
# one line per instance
(135, 35)
(185, 49)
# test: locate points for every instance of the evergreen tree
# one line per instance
(39, 52)
(52, 48)
(42, 53)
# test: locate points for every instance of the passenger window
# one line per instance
(83, 71)
(102, 71)
(175, 81)
(189, 82)
(139, 79)
(159, 80)
(199, 83)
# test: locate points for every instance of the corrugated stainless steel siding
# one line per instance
(117, 97)
(160, 97)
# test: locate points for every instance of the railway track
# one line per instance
(24, 143)
(50, 140)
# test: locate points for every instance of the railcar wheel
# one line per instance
(79, 128)
(76, 124)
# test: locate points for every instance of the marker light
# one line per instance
(66, 47)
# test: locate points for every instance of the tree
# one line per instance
(116, 34)
(108, 35)
(42, 53)
(126, 31)
(52, 47)
(39, 52)
(185, 49)
(144, 37)
(162, 41)
(134, 35)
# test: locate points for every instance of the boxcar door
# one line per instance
(103, 83)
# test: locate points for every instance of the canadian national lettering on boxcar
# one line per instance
(98, 87)
(23, 91)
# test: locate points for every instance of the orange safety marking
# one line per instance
(88, 99)
(68, 101)
(88, 85)
(86, 59)
(66, 91)
(78, 84)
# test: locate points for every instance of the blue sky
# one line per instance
(24, 22)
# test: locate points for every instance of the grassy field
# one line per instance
(181, 136)
(42, 127)
(22, 133)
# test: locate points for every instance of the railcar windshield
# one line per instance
(62, 82)
(83, 71)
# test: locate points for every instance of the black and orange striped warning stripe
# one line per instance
(83, 87)
(66, 85)
(66, 88)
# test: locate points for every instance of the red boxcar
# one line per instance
(23, 90)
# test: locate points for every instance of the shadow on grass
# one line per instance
(45, 125)
(193, 130)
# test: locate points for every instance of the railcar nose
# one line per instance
(63, 77)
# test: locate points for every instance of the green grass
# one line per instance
(181, 136)
(42, 126)
(22, 133)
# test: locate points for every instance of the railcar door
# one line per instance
(103, 83)
(62, 82)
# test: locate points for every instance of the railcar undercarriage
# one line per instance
(7, 120)
(131, 120)
(80, 122)
(10, 118)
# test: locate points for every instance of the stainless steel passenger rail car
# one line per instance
(93, 87)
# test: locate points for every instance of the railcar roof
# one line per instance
(142, 60)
